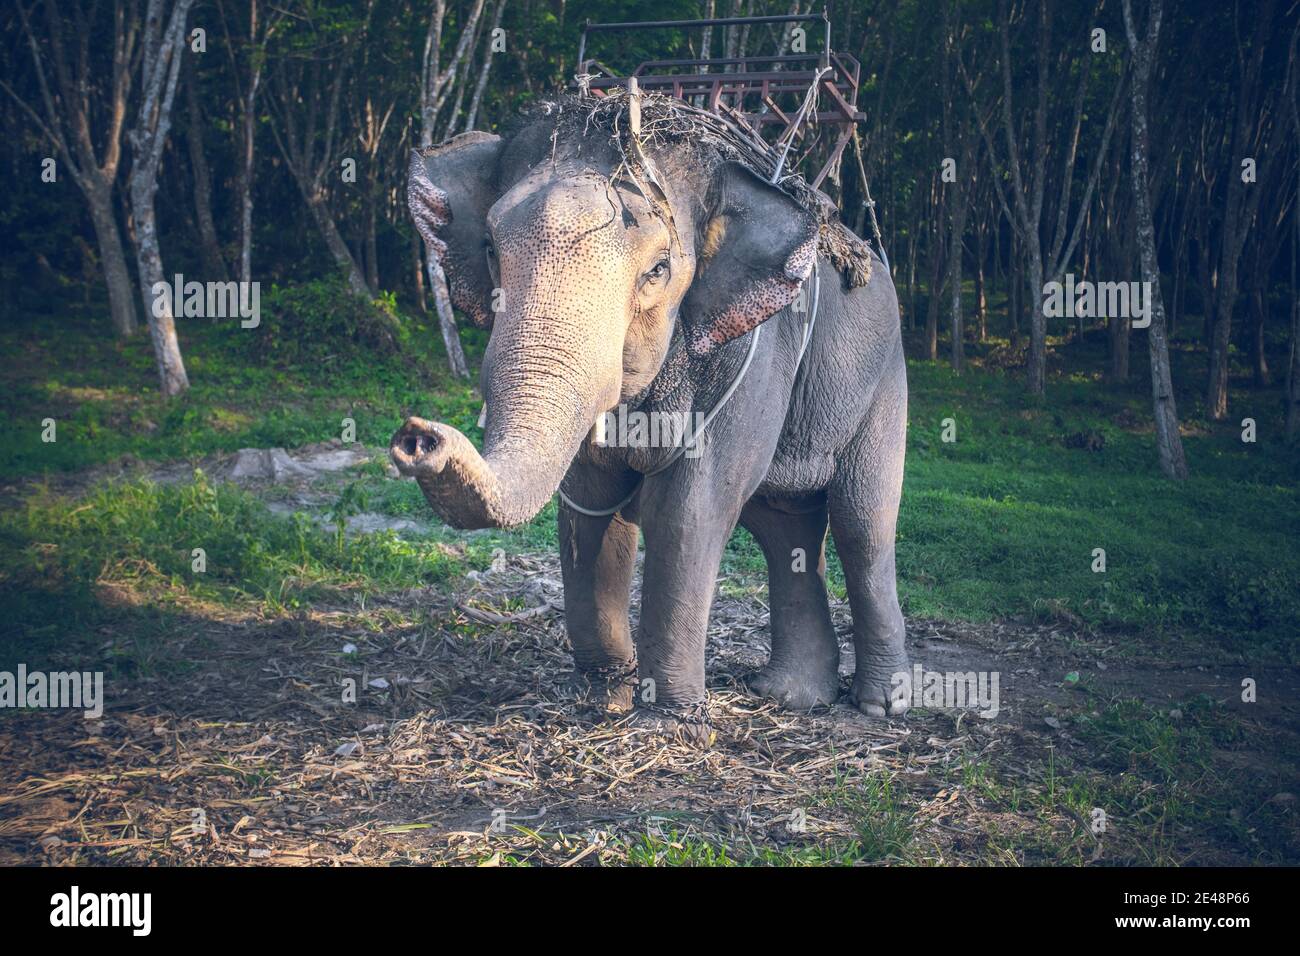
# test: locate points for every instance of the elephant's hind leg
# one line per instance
(864, 497)
(803, 669)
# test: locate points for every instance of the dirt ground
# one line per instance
(466, 744)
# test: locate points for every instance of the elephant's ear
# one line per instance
(756, 247)
(450, 189)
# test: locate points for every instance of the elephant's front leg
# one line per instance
(597, 558)
(684, 541)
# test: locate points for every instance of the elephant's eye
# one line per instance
(660, 271)
(490, 253)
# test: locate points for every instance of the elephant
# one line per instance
(633, 265)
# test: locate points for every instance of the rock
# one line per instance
(370, 521)
(266, 464)
(276, 465)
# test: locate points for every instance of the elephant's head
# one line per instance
(583, 270)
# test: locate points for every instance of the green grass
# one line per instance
(1003, 521)
(54, 556)
(1000, 523)
(1161, 774)
(103, 395)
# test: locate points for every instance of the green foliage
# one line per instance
(54, 558)
(1001, 523)
(1004, 520)
(106, 403)
(321, 323)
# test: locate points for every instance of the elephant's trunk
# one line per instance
(544, 381)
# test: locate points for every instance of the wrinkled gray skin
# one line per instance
(601, 304)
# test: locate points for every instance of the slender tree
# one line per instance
(162, 47)
(76, 110)
(1028, 172)
(435, 86)
(209, 246)
(307, 85)
(246, 75)
(1240, 203)
(1169, 444)
(1293, 364)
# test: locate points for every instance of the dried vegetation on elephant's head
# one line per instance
(669, 124)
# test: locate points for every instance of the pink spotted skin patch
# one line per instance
(431, 209)
(429, 206)
(756, 303)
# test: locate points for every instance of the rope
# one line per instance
(689, 443)
(810, 98)
(867, 201)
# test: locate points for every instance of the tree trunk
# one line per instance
(338, 249)
(1237, 218)
(447, 320)
(954, 286)
(1119, 330)
(417, 266)
(1037, 321)
(158, 309)
(213, 263)
(248, 147)
(1293, 366)
(1225, 298)
(121, 298)
(486, 70)
(160, 69)
(911, 282)
(1258, 358)
(1169, 444)
(1083, 272)
(932, 303)
(1176, 299)
(372, 243)
(1016, 289)
(981, 306)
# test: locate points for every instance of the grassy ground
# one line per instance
(1001, 522)
(996, 538)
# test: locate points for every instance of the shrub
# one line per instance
(322, 322)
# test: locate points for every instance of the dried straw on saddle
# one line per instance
(666, 121)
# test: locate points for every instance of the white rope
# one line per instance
(708, 419)
(809, 98)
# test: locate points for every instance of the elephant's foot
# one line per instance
(799, 685)
(610, 688)
(688, 725)
(882, 688)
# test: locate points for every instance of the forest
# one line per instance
(1090, 212)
